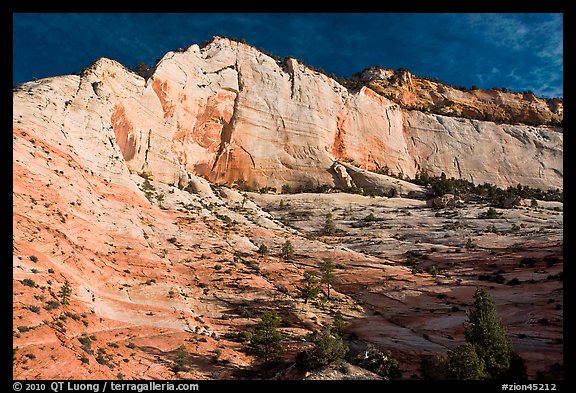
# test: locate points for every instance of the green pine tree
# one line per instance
(487, 353)
(181, 363)
(287, 251)
(338, 324)
(327, 277)
(329, 227)
(266, 341)
(64, 293)
(464, 363)
(309, 289)
(328, 347)
(263, 249)
(485, 333)
(142, 69)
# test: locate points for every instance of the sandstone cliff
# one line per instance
(153, 267)
(498, 105)
(231, 114)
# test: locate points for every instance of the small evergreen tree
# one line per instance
(338, 324)
(64, 293)
(487, 353)
(143, 69)
(486, 334)
(309, 289)
(464, 363)
(263, 249)
(326, 269)
(491, 213)
(442, 185)
(329, 227)
(470, 244)
(328, 347)
(181, 363)
(287, 251)
(266, 341)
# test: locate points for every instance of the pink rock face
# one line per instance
(209, 125)
(123, 130)
(161, 90)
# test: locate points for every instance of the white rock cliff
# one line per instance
(231, 114)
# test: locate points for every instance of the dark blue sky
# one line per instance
(517, 51)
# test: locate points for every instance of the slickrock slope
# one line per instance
(115, 190)
(417, 277)
(151, 267)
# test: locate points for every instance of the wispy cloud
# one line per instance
(517, 51)
(530, 46)
(499, 30)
